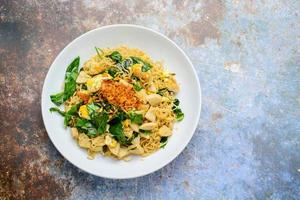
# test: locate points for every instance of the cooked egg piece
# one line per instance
(83, 112)
(113, 143)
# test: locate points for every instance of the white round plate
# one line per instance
(159, 47)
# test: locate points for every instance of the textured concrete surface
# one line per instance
(247, 58)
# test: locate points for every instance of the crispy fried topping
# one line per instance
(119, 94)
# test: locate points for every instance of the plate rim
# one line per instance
(137, 27)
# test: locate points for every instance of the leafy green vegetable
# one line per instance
(67, 115)
(116, 127)
(70, 83)
(117, 131)
(99, 120)
(57, 99)
(115, 56)
(163, 142)
(179, 114)
(137, 86)
(73, 67)
(113, 71)
(86, 126)
(105, 105)
(176, 102)
(127, 63)
(67, 119)
(146, 67)
(54, 109)
(70, 79)
(177, 111)
(73, 111)
(99, 52)
(136, 118)
(119, 117)
(92, 108)
(136, 60)
(96, 125)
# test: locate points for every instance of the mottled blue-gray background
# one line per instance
(247, 56)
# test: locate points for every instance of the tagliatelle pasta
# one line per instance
(120, 103)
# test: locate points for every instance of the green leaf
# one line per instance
(70, 83)
(136, 60)
(67, 119)
(179, 114)
(115, 56)
(100, 121)
(54, 109)
(105, 105)
(92, 132)
(72, 112)
(57, 99)
(136, 118)
(119, 117)
(177, 111)
(67, 115)
(146, 67)
(82, 123)
(127, 63)
(137, 86)
(163, 142)
(70, 78)
(92, 108)
(176, 102)
(86, 127)
(116, 127)
(113, 71)
(73, 67)
(117, 131)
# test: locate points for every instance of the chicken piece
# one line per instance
(154, 99)
(164, 131)
(148, 126)
(82, 77)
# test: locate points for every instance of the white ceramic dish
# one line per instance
(159, 47)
